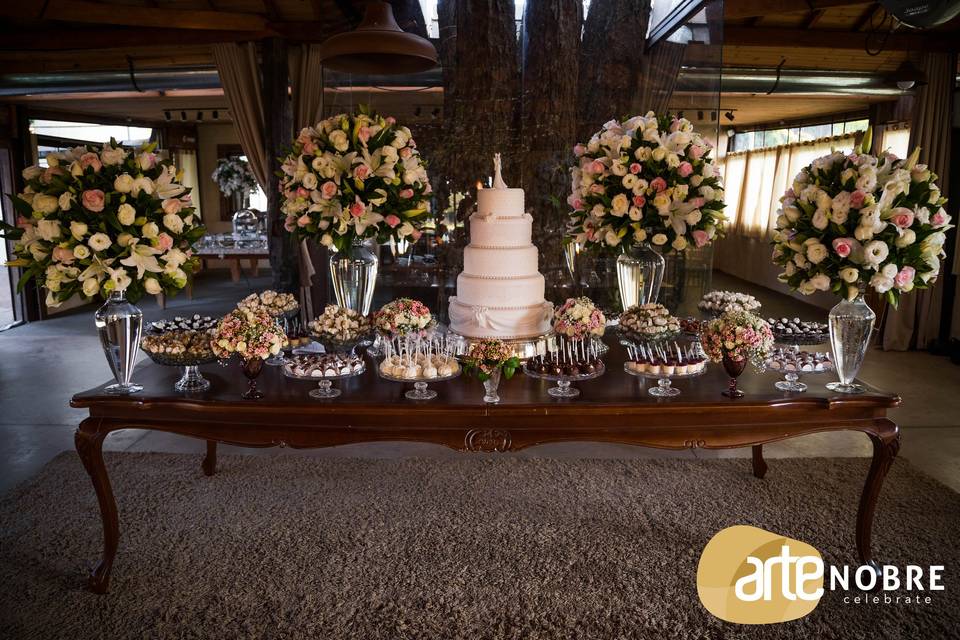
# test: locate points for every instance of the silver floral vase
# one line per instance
(120, 323)
(851, 326)
(353, 273)
(490, 387)
(639, 274)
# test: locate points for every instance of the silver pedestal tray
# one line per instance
(664, 388)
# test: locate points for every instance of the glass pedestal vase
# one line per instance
(252, 369)
(120, 324)
(851, 325)
(639, 274)
(734, 369)
(353, 273)
(490, 387)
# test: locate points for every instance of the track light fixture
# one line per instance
(215, 114)
(728, 115)
(167, 116)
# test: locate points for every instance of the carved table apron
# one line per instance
(614, 408)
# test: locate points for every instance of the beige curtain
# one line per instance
(754, 181)
(240, 78)
(916, 323)
(895, 138)
(185, 160)
(306, 75)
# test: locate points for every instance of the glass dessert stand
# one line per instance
(572, 361)
(418, 358)
(564, 382)
(338, 362)
(420, 383)
(791, 362)
(664, 388)
(191, 380)
(664, 362)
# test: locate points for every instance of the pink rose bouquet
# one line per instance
(648, 179)
(403, 317)
(737, 336)
(352, 177)
(852, 221)
(579, 318)
(488, 356)
(248, 333)
(102, 219)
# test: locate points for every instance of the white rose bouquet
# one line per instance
(856, 220)
(354, 177)
(104, 219)
(648, 179)
(233, 175)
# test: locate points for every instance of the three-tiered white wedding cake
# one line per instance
(500, 293)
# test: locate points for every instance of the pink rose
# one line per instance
(700, 238)
(62, 254)
(843, 246)
(658, 184)
(635, 168)
(361, 171)
(939, 219)
(171, 205)
(91, 159)
(902, 217)
(406, 193)
(579, 150)
(303, 220)
(416, 235)
(164, 242)
(696, 152)
(639, 201)
(49, 174)
(857, 198)
(698, 202)
(412, 143)
(596, 167)
(392, 220)
(329, 189)
(302, 193)
(23, 223)
(356, 209)
(577, 204)
(685, 169)
(310, 148)
(391, 120)
(406, 152)
(290, 223)
(674, 124)
(364, 134)
(92, 200)
(905, 276)
(189, 253)
(597, 189)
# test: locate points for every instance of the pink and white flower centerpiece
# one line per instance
(579, 318)
(253, 335)
(106, 221)
(733, 339)
(487, 359)
(647, 180)
(852, 222)
(403, 317)
(351, 178)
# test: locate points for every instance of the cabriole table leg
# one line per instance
(210, 461)
(89, 442)
(759, 464)
(886, 444)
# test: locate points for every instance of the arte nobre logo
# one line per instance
(748, 575)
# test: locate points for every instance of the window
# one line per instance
(90, 132)
(766, 138)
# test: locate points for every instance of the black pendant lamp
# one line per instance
(378, 46)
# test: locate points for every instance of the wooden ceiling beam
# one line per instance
(84, 11)
(272, 10)
(811, 21)
(63, 39)
(735, 9)
(865, 17)
(832, 39)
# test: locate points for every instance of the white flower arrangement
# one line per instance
(855, 220)
(103, 219)
(233, 175)
(648, 179)
(353, 177)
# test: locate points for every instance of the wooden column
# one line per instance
(278, 113)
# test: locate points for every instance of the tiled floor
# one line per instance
(43, 364)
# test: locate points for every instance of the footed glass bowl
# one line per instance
(191, 380)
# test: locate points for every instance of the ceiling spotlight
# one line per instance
(731, 133)
(199, 116)
(728, 115)
(183, 116)
(699, 115)
(417, 111)
(215, 115)
(436, 112)
(907, 76)
(713, 115)
(167, 116)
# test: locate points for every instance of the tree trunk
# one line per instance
(551, 47)
(611, 57)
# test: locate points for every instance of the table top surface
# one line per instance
(614, 389)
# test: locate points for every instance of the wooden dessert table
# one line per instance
(612, 408)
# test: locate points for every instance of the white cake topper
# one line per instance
(498, 182)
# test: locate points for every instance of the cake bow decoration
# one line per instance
(480, 317)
